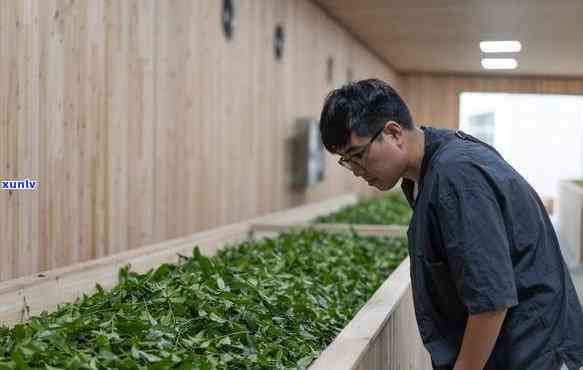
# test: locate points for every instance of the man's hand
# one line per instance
(479, 338)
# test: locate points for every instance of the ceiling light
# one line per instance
(499, 63)
(500, 46)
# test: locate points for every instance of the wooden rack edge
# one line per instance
(366, 230)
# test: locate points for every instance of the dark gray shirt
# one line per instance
(481, 240)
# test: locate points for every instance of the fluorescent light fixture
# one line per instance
(500, 46)
(499, 63)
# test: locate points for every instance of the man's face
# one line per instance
(382, 163)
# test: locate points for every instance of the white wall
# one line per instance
(541, 136)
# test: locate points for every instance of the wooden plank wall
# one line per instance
(141, 122)
(435, 98)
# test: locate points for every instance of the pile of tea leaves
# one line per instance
(389, 209)
(262, 304)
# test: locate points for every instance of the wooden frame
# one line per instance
(366, 230)
(382, 335)
(571, 220)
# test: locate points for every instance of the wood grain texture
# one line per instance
(398, 344)
(434, 99)
(142, 123)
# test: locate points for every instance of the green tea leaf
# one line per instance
(269, 304)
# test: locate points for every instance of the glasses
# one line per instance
(353, 162)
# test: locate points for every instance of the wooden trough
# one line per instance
(382, 335)
(571, 220)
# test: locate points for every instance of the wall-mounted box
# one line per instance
(308, 156)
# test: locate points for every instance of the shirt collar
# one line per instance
(434, 139)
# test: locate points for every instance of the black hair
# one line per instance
(363, 107)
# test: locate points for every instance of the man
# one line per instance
(491, 289)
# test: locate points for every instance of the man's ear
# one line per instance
(394, 131)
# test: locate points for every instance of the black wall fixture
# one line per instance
(330, 69)
(278, 41)
(228, 17)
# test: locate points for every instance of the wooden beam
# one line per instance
(365, 230)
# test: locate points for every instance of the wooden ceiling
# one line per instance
(442, 36)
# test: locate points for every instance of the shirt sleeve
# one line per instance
(474, 236)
